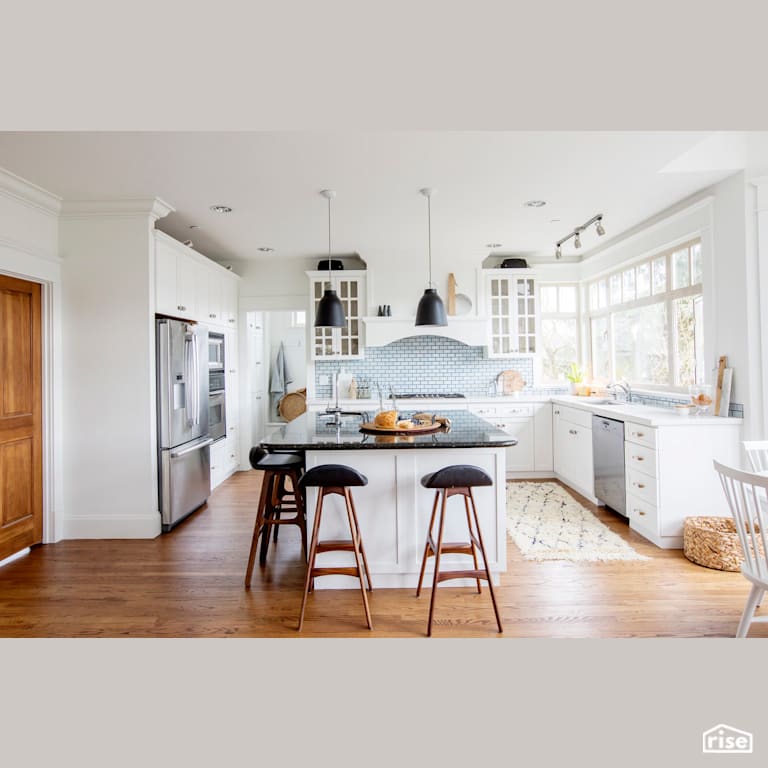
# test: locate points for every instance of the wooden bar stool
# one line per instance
(336, 479)
(456, 480)
(276, 499)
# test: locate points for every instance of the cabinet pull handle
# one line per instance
(639, 511)
(573, 432)
(231, 320)
(212, 315)
(639, 485)
(638, 458)
(181, 307)
(557, 413)
(232, 370)
(639, 434)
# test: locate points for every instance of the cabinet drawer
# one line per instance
(483, 410)
(641, 485)
(574, 415)
(642, 513)
(514, 411)
(640, 458)
(637, 433)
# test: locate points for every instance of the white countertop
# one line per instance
(651, 416)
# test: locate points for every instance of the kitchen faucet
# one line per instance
(624, 387)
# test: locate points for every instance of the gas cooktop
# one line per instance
(428, 395)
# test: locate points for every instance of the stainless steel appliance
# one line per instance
(217, 416)
(216, 351)
(608, 451)
(184, 461)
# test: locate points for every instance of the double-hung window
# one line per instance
(646, 321)
(559, 329)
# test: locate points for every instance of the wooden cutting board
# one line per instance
(509, 382)
(451, 303)
(418, 429)
(721, 363)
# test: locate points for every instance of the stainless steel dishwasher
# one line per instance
(608, 450)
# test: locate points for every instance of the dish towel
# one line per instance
(279, 379)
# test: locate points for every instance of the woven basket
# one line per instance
(712, 542)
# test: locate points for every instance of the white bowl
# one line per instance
(684, 410)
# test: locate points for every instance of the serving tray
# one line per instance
(418, 429)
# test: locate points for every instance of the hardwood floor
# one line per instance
(190, 584)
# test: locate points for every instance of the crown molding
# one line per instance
(29, 194)
(142, 206)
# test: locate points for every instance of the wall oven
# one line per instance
(217, 415)
(216, 351)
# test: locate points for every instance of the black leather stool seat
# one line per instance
(332, 476)
(457, 476)
(260, 459)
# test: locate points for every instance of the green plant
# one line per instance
(574, 374)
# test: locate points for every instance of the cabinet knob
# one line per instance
(212, 315)
(231, 320)
(557, 413)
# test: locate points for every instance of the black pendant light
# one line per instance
(330, 311)
(431, 310)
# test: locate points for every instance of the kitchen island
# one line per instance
(394, 509)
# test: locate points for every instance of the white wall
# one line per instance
(109, 390)
(29, 235)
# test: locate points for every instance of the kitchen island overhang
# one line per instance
(394, 509)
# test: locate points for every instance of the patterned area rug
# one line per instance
(547, 523)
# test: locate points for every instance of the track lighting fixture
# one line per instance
(576, 234)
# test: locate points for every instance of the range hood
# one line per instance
(380, 331)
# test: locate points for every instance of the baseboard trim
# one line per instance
(112, 527)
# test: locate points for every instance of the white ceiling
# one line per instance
(272, 180)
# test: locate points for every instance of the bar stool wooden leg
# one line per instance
(426, 545)
(472, 541)
(485, 562)
(356, 549)
(437, 563)
(356, 533)
(265, 483)
(300, 510)
(312, 551)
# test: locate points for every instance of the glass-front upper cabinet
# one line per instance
(339, 343)
(511, 307)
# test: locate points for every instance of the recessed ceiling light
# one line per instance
(221, 209)
(535, 203)
(493, 245)
(265, 249)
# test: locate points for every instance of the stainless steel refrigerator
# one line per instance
(183, 452)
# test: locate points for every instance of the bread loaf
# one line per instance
(386, 419)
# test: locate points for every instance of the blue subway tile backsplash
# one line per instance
(427, 364)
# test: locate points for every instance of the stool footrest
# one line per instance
(452, 547)
(351, 571)
(471, 574)
(338, 545)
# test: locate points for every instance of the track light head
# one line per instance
(599, 227)
(558, 252)
(577, 241)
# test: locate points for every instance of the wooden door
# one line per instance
(21, 460)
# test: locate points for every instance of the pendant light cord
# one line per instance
(429, 237)
(330, 284)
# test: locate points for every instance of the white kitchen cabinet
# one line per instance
(531, 425)
(345, 343)
(572, 448)
(511, 309)
(190, 286)
(669, 476)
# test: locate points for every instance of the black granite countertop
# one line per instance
(313, 431)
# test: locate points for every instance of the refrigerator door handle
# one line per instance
(190, 376)
(191, 448)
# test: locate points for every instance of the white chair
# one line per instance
(757, 453)
(747, 495)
